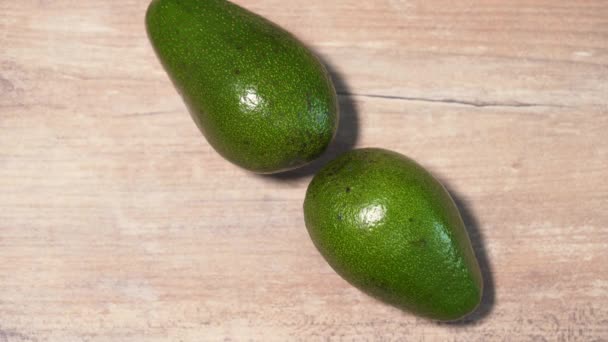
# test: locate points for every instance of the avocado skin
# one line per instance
(392, 230)
(261, 98)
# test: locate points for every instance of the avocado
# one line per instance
(392, 230)
(259, 96)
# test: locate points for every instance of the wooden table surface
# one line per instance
(118, 222)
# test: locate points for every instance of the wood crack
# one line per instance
(479, 104)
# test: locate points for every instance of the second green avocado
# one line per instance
(390, 228)
(261, 98)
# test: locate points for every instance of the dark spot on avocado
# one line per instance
(182, 64)
(419, 243)
(378, 283)
(262, 57)
(429, 296)
(411, 219)
(237, 71)
(276, 48)
(348, 189)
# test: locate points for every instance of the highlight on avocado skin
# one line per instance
(261, 98)
(391, 229)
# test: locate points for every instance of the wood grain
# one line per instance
(119, 222)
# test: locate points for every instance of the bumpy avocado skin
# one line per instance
(261, 98)
(392, 230)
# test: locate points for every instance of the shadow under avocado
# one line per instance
(346, 135)
(487, 300)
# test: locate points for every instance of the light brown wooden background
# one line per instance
(119, 222)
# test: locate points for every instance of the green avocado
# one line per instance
(259, 96)
(392, 230)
